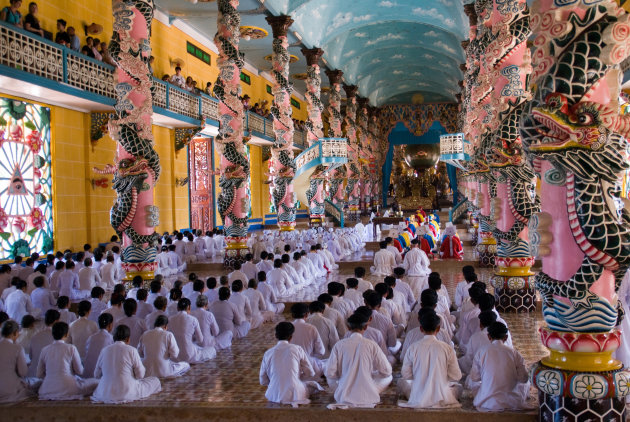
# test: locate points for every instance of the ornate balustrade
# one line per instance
(334, 211)
(329, 152)
(458, 210)
(32, 54)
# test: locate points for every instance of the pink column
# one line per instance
(337, 193)
(354, 173)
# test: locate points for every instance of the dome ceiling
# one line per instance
(395, 51)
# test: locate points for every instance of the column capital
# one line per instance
(279, 25)
(334, 76)
(469, 9)
(312, 55)
(351, 90)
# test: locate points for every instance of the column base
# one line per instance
(571, 409)
(514, 293)
(232, 256)
(519, 300)
(486, 255)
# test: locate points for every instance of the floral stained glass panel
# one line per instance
(26, 217)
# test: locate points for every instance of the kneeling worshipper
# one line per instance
(186, 330)
(15, 386)
(358, 371)
(283, 369)
(159, 350)
(451, 247)
(307, 336)
(430, 370)
(121, 372)
(384, 261)
(502, 374)
(60, 366)
(209, 327)
(416, 263)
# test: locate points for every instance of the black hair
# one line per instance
(183, 304)
(352, 282)
(27, 321)
(486, 302)
(51, 316)
(429, 322)
(104, 320)
(299, 310)
(497, 331)
(84, 308)
(130, 306)
(399, 272)
(142, 294)
(237, 285)
(224, 293)
(373, 300)
(59, 330)
(9, 327)
(316, 307)
(325, 298)
(284, 330)
(63, 302)
(486, 318)
(122, 333)
(211, 283)
(357, 322)
(161, 321)
(160, 303)
(428, 298)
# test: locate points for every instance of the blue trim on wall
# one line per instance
(214, 187)
(181, 118)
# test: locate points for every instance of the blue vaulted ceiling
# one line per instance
(395, 51)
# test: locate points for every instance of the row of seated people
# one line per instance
(377, 316)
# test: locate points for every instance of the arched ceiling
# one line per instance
(395, 51)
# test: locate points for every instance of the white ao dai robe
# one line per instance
(359, 372)
(282, 367)
(158, 348)
(186, 329)
(13, 370)
(384, 263)
(121, 376)
(59, 366)
(428, 368)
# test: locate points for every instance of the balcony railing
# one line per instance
(30, 53)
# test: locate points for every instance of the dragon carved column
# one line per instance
(364, 143)
(573, 134)
(374, 156)
(516, 200)
(353, 188)
(233, 203)
(336, 189)
(283, 169)
(137, 168)
(315, 131)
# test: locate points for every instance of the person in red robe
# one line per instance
(451, 247)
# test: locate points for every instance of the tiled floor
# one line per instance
(231, 379)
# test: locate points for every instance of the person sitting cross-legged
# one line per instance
(430, 369)
(283, 369)
(158, 348)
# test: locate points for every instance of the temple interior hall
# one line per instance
(284, 210)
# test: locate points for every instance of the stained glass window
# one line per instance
(26, 217)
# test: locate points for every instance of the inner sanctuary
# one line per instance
(314, 210)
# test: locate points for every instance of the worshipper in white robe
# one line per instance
(279, 281)
(258, 304)
(164, 265)
(301, 268)
(136, 324)
(15, 386)
(485, 302)
(325, 327)
(430, 370)
(333, 315)
(63, 306)
(364, 285)
(249, 268)
(240, 301)
(380, 321)
(82, 329)
(159, 308)
(209, 327)
(357, 370)
(42, 298)
(318, 262)
(307, 336)
(144, 308)
(415, 334)
(327, 257)
(40, 271)
(60, 368)
(334, 247)
(391, 248)
(187, 332)
(28, 329)
(53, 278)
(158, 350)
(227, 316)
(264, 264)
(98, 305)
(269, 294)
(416, 264)
(283, 369)
(337, 290)
(352, 294)
(384, 261)
(209, 245)
(41, 339)
(96, 343)
(373, 334)
(468, 317)
(404, 289)
(110, 274)
(501, 373)
(175, 262)
(461, 290)
(121, 372)
(297, 281)
(477, 341)
(88, 278)
(237, 274)
(19, 303)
